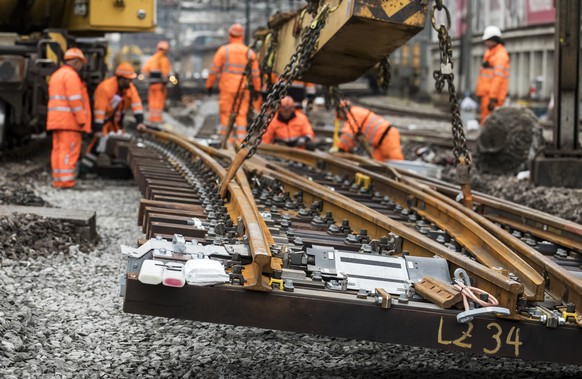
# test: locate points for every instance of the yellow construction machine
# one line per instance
(33, 37)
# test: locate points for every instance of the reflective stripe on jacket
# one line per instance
(107, 101)
(494, 74)
(229, 64)
(68, 105)
(289, 131)
(157, 68)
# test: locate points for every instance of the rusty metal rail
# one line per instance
(471, 229)
(291, 212)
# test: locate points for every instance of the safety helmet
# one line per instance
(490, 32)
(163, 45)
(75, 53)
(236, 30)
(288, 103)
(125, 70)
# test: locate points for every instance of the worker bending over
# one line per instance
(229, 63)
(494, 74)
(289, 127)
(374, 132)
(113, 97)
(157, 69)
(69, 115)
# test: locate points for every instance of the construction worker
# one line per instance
(375, 133)
(289, 127)
(157, 69)
(494, 74)
(69, 115)
(230, 62)
(113, 97)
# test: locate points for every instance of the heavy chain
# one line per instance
(445, 74)
(460, 150)
(298, 63)
(268, 59)
(384, 74)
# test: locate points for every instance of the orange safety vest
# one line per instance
(288, 132)
(377, 132)
(229, 63)
(110, 106)
(157, 68)
(68, 106)
(494, 74)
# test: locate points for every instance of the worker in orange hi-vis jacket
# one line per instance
(372, 130)
(113, 97)
(289, 127)
(229, 63)
(494, 73)
(69, 115)
(157, 69)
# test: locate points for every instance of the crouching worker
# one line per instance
(113, 97)
(289, 127)
(371, 131)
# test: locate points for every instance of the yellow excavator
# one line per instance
(34, 34)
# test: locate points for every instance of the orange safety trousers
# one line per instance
(64, 157)
(156, 101)
(225, 103)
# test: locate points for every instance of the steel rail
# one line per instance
(559, 282)
(486, 248)
(240, 206)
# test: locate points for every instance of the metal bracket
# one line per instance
(467, 316)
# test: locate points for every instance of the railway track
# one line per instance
(309, 242)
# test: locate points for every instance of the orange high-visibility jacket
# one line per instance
(384, 140)
(110, 105)
(229, 63)
(289, 131)
(157, 68)
(494, 74)
(68, 105)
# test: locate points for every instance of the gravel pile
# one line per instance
(61, 317)
(26, 236)
(16, 194)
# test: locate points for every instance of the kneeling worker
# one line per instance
(289, 127)
(373, 131)
(113, 97)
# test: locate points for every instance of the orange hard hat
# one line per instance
(75, 53)
(163, 45)
(288, 103)
(125, 70)
(236, 30)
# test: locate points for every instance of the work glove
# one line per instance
(209, 91)
(301, 141)
(485, 64)
(492, 103)
(141, 126)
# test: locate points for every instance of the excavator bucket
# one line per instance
(356, 36)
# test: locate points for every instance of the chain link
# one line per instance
(268, 59)
(384, 74)
(446, 75)
(298, 63)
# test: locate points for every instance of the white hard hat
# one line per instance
(491, 31)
